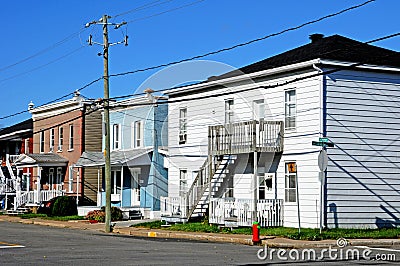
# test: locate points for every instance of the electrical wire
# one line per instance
(44, 50)
(334, 70)
(166, 11)
(213, 52)
(143, 7)
(245, 43)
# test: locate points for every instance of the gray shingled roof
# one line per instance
(90, 159)
(47, 159)
(335, 47)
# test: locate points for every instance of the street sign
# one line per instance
(317, 143)
(322, 144)
(323, 139)
(322, 160)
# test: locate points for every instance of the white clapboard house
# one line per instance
(241, 144)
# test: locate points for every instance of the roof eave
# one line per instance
(243, 77)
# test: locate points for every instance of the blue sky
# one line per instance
(39, 63)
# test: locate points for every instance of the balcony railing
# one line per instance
(246, 137)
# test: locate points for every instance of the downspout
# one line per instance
(322, 133)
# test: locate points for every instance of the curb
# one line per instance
(269, 241)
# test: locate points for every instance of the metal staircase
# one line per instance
(212, 175)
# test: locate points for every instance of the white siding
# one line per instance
(210, 111)
(363, 177)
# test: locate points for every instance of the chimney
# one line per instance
(316, 37)
(149, 94)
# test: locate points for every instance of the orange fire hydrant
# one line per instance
(256, 233)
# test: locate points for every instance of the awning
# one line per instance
(118, 158)
(40, 159)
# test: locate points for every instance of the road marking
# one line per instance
(9, 245)
(382, 249)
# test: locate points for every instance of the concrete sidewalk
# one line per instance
(124, 228)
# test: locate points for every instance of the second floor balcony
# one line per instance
(246, 137)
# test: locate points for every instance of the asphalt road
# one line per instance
(24, 244)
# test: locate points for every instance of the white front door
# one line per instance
(135, 189)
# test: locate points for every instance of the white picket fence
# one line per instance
(173, 206)
(224, 211)
(239, 212)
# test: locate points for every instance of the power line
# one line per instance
(351, 66)
(211, 53)
(143, 7)
(43, 51)
(166, 11)
(55, 100)
(245, 43)
(44, 65)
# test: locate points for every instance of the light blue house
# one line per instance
(138, 146)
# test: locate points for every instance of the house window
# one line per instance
(264, 185)
(290, 182)
(51, 177)
(116, 137)
(115, 182)
(60, 138)
(290, 109)
(182, 182)
(182, 125)
(52, 137)
(229, 111)
(59, 178)
(71, 137)
(138, 134)
(70, 179)
(41, 141)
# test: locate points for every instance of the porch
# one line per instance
(228, 212)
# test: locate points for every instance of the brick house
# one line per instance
(61, 132)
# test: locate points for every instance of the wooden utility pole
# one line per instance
(106, 103)
(107, 163)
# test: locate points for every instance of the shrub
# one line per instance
(96, 215)
(100, 215)
(64, 206)
(116, 213)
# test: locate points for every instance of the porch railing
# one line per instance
(246, 137)
(33, 197)
(173, 206)
(7, 185)
(239, 212)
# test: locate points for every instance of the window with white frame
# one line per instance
(51, 177)
(59, 178)
(182, 182)
(290, 109)
(116, 137)
(264, 184)
(290, 182)
(182, 125)
(70, 179)
(229, 111)
(115, 182)
(71, 137)
(137, 134)
(60, 138)
(52, 139)
(41, 141)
